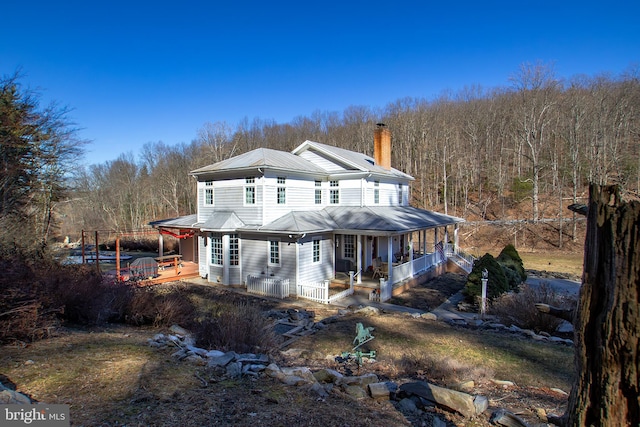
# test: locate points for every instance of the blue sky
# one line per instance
(141, 71)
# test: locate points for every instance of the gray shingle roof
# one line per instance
(261, 158)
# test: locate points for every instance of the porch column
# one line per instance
(390, 259)
(160, 244)
(435, 237)
(455, 237)
(410, 253)
(359, 247)
(226, 259)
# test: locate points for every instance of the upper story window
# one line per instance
(274, 252)
(334, 193)
(318, 193)
(216, 250)
(400, 195)
(208, 193)
(376, 192)
(282, 190)
(234, 250)
(316, 251)
(250, 191)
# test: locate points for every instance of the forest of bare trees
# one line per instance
(538, 141)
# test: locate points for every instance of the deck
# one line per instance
(184, 270)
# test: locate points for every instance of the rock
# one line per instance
(222, 360)
(407, 406)
(379, 391)
(514, 328)
(355, 391)
(319, 390)
(12, 397)
(502, 383)
(429, 316)
(442, 397)
(564, 327)
(158, 337)
(253, 358)
(481, 404)
(273, 370)
(327, 375)
(234, 370)
(557, 390)
(465, 386)
(293, 380)
(302, 372)
(179, 330)
(368, 311)
(196, 350)
(214, 353)
(505, 418)
(361, 381)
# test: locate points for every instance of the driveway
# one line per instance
(560, 286)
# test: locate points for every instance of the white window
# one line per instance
(250, 191)
(216, 250)
(234, 250)
(376, 192)
(282, 191)
(208, 193)
(334, 193)
(274, 252)
(349, 246)
(316, 251)
(318, 194)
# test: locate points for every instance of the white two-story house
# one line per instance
(308, 215)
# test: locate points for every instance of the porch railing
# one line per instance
(268, 286)
(319, 292)
(462, 259)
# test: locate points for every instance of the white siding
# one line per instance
(310, 272)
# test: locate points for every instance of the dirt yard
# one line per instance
(110, 376)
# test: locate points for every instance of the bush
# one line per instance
(239, 327)
(496, 285)
(160, 306)
(37, 293)
(511, 262)
(519, 308)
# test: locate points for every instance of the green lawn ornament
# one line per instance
(363, 335)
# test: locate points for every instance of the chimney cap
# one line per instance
(381, 125)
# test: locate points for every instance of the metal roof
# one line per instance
(187, 221)
(222, 221)
(357, 160)
(376, 220)
(261, 158)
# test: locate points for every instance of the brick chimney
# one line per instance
(382, 146)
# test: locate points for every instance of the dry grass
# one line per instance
(413, 347)
(561, 262)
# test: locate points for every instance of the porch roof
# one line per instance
(222, 221)
(372, 220)
(187, 221)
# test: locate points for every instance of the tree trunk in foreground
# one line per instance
(607, 325)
